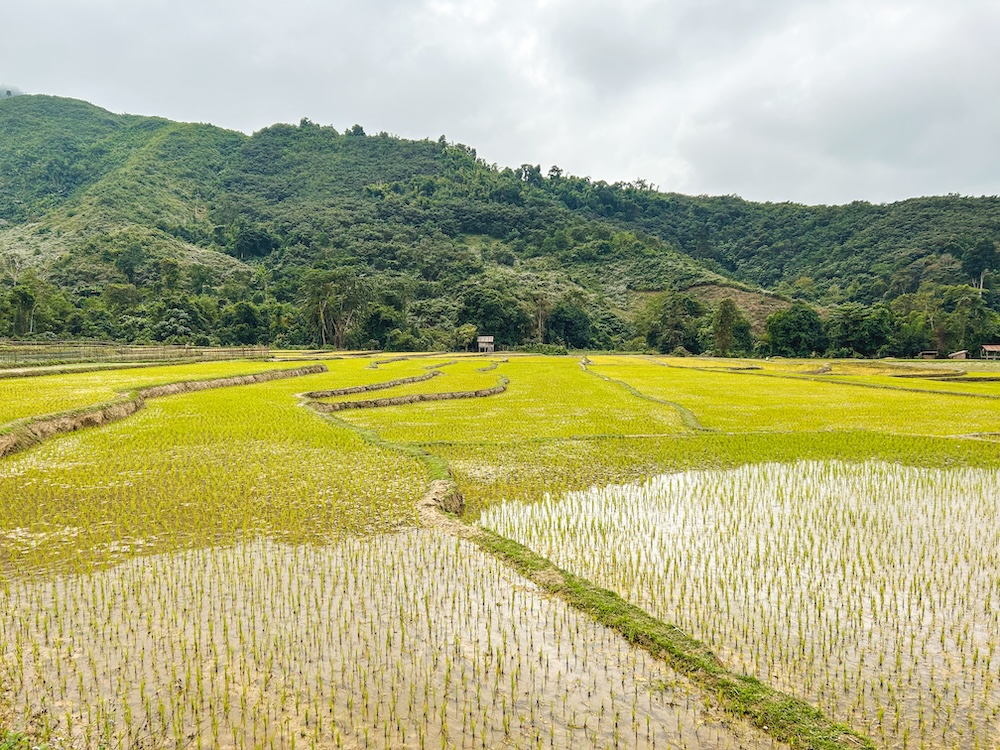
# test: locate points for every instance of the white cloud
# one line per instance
(814, 101)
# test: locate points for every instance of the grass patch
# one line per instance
(15, 741)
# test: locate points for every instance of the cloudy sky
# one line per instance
(815, 101)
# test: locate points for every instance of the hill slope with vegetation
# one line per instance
(141, 229)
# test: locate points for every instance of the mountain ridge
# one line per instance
(199, 220)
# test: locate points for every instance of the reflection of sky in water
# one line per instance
(859, 586)
(403, 640)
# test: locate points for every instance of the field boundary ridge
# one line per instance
(350, 390)
(412, 398)
(30, 432)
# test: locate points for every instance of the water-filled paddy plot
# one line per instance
(238, 567)
(873, 589)
(390, 640)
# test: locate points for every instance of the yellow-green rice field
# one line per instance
(230, 568)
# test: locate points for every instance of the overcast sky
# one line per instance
(815, 101)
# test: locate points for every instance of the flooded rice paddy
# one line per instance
(394, 640)
(227, 569)
(871, 589)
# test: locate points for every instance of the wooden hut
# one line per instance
(485, 344)
(991, 351)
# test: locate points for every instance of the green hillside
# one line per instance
(859, 252)
(50, 148)
(141, 229)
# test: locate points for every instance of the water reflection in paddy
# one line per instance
(871, 589)
(396, 640)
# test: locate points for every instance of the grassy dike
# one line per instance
(688, 417)
(785, 717)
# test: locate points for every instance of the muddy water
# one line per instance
(403, 640)
(872, 590)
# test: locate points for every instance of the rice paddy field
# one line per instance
(24, 397)
(231, 568)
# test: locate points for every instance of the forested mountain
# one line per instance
(142, 229)
(859, 252)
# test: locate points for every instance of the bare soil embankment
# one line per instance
(413, 398)
(371, 386)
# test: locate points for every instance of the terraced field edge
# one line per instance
(27, 433)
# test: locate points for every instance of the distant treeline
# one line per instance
(144, 230)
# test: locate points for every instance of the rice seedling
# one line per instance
(195, 468)
(546, 398)
(746, 401)
(780, 365)
(983, 385)
(870, 588)
(461, 376)
(21, 398)
(227, 568)
(527, 471)
(390, 640)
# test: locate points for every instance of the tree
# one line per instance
(543, 307)
(24, 302)
(242, 323)
(877, 331)
(844, 329)
(250, 241)
(854, 329)
(730, 329)
(121, 297)
(465, 335)
(170, 273)
(795, 332)
(569, 324)
(317, 293)
(531, 174)
(947, 318)
(281, 317)
(11, 266)
(912, 336)
(129, 260)
(966, 323)
(978, 259)
(495, 312)
(175, 326)
(200, 278)
(670, 320)
(334, 301)
(380, 320)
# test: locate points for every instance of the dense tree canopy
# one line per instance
(141, 229)
(796, 332)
